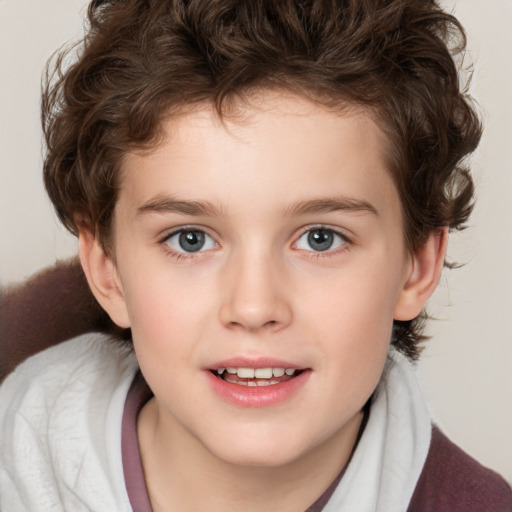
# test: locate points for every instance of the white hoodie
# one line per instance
(60, 423)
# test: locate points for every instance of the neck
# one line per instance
(182, 474)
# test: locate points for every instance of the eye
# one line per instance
(321, 240)
(190, 241)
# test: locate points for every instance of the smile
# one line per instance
(254, 377)
(264, 386)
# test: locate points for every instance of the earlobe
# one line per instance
(101, 275)
(424, 274)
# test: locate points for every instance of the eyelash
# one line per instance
(178, 255)
(181, 256)
(345, 246)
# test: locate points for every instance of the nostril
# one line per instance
(253, 315)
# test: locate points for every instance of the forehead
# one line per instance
(272, 150)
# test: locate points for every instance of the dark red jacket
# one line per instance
(452, 481)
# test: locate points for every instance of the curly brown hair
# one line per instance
(145, 59)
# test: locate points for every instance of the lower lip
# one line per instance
(257, 396)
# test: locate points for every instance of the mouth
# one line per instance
(256, 377)
(263, 383)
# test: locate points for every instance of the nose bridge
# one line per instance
(255, 291)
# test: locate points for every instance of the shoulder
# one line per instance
(60, 427)
(82, 365)
(452, 481)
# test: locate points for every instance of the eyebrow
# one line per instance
(166, 204)
(332, 204)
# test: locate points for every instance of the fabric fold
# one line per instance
(389, 458)
(61, 418)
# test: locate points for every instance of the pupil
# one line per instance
(320, 239)
(191, 241)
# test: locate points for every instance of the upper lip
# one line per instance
(254, 362)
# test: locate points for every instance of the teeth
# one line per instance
(258, 373)
(245, 373)
(263, 373)
(256, 383)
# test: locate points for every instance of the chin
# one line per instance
(258, 459)
(269, 450)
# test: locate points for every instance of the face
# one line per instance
(260, 261)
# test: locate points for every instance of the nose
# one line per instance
(255, 295)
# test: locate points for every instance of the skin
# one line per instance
(258, 288)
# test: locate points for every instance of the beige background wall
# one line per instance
(467, 367)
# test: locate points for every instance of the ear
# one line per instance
(425, 269)
(103, 278)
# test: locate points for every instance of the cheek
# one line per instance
(352, 320)
(355, 300)
(163, 333)
(168, 309)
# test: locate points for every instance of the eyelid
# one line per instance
(347, 240)
(180, 229)
(167, 233)
(343, 232)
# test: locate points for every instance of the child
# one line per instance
(262, 192)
